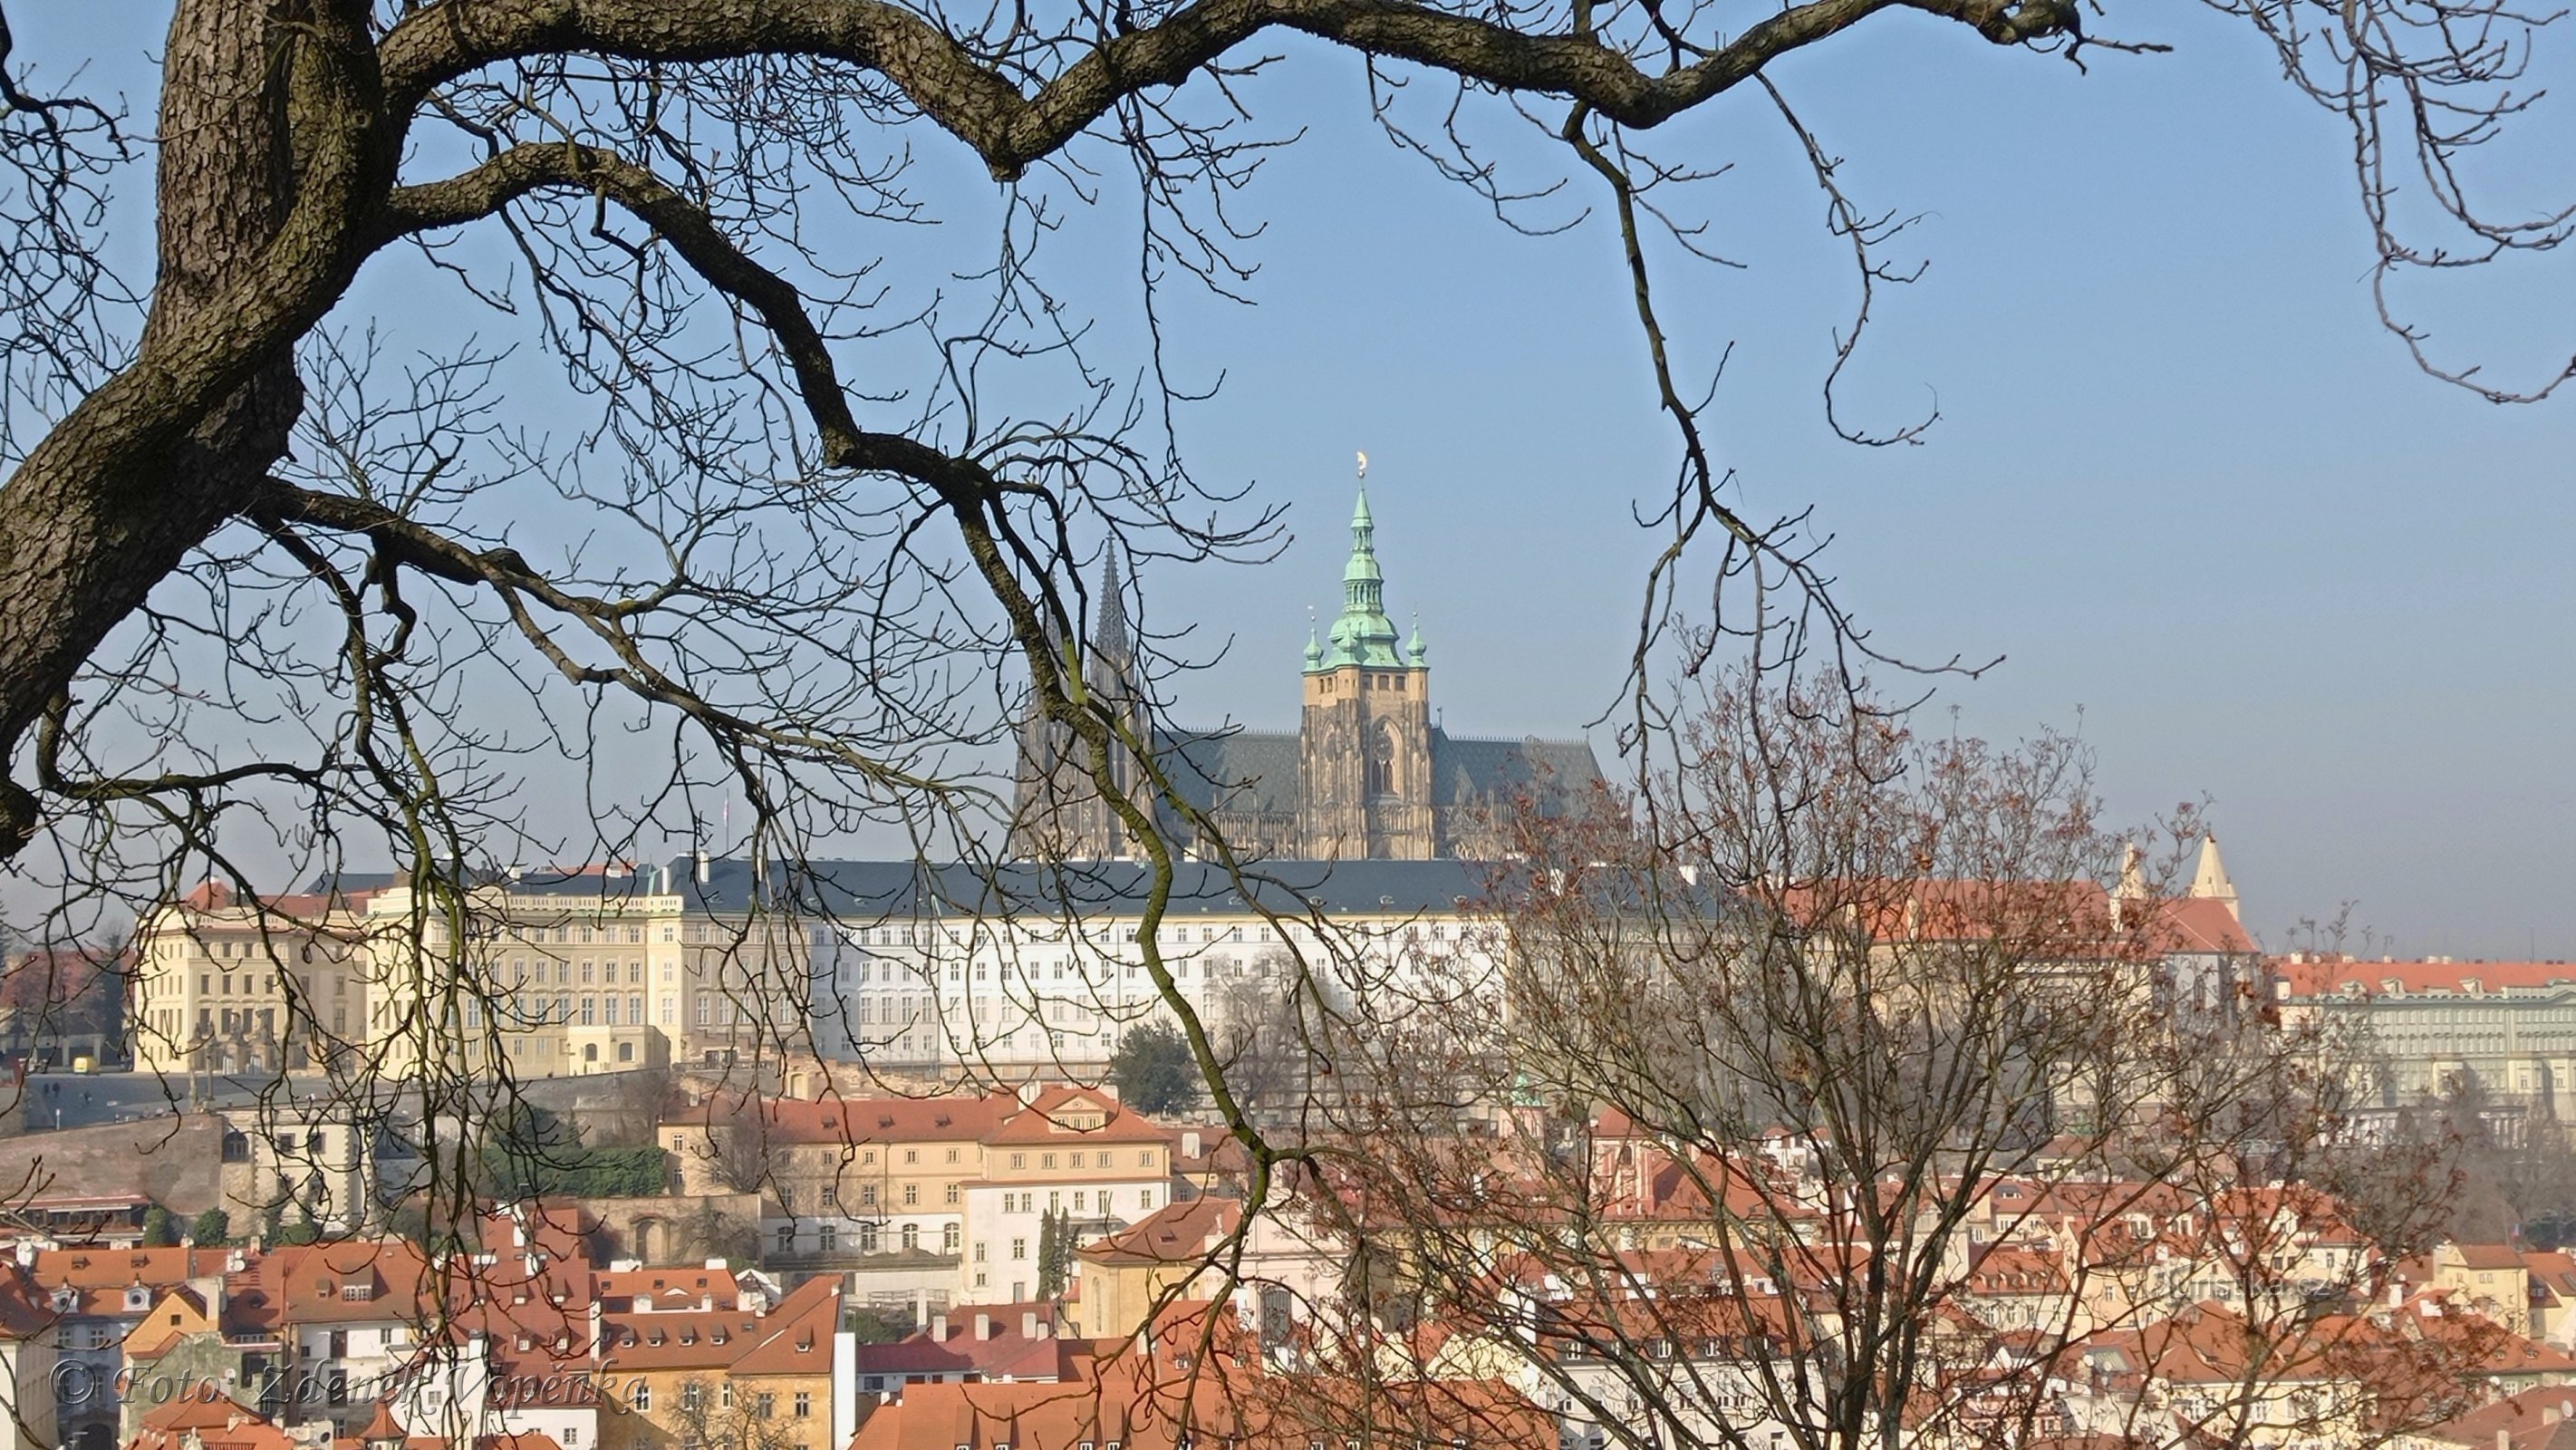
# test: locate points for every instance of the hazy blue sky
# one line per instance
(2183, 481)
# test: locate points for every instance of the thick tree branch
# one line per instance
(976, 103)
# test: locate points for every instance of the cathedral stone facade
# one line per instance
(1368, 774)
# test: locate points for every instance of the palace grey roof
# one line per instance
(909, 890)
(906, 891)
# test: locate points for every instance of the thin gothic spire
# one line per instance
(1111, 638)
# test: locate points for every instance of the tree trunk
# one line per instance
(111, 501)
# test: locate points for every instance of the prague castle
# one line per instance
(1368, 774)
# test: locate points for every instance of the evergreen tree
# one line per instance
(1153, 1070)
(1054, 1253)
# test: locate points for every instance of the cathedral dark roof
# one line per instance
(1234, 770)
(1495, 770)
(1257, 770)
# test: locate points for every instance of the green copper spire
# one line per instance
(1363, 635)
(1413, 650)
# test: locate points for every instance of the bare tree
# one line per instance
(1851, 1101)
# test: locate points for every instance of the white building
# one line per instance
(1010, 971)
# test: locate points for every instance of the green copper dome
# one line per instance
(1363, 635)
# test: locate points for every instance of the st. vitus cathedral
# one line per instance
(1368, 774)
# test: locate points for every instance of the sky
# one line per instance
(2203, 508)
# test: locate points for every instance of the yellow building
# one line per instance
(553, 973)
(2493, 1279)
(672, 1378)
(1129, 1274)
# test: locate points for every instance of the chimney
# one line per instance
(939, 1329)
(1190, 1143)
(702, 867)
(983, 1325)
(1028, 1324)
(920, 1308)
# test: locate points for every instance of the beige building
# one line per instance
(224, 985)
(2418, 1030)
(554, 973)
(854, 1184)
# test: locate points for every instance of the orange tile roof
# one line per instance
(1051, 1115)
(204, 1415)
(676, 1288)
(355, 1281)
(118, 1268)
(175, 1315)
(1177, 1233)
(2488, 1257)
(796, 1337)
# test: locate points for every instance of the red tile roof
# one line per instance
(1145, 1410)
(1007, 1352)
(856, 1121)
(2201, 925)
(2337, 976)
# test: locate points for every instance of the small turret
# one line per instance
(2209, 878)
(1414, 652)
(382, 1431)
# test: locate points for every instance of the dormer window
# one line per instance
(357, 1293)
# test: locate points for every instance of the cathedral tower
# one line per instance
(1364, 744)
(1059, 811)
